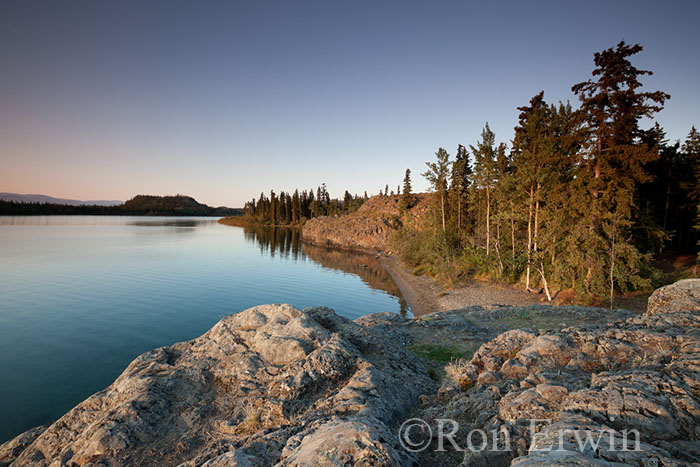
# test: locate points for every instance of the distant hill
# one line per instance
(140, 205)
(179, 205)
(18, 198)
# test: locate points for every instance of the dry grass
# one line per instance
(456, 371)
(251, 423)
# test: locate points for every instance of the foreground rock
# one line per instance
(642, 374)
(270, 385)
(368, 229)
(277, 386)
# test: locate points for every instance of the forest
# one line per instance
(295, 208)
(581, 199)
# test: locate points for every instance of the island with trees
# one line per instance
(139, 205)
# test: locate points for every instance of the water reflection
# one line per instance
(283, 241)
(168, 223)
(286, 242)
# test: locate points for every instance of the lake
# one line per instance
(82, 296)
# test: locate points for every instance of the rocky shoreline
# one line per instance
(269, 385)
(368, 229)
(273, 385)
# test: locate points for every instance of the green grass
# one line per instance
(436, 352)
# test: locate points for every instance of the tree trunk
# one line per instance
(497, 245)
(459, 212)
(544, 282)
(488, 221)
(512, 229)
(442, 209)
(612, 269)
(537, 211)
(529, 239)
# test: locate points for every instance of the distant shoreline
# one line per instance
(110, 215)
(139, 205)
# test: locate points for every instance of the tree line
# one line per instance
(581, 199)
(296, 208)
(139, 205)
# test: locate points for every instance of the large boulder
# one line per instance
(270, 385)
(682, 295)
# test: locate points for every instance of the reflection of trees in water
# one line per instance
(286, 242)
(367, 266)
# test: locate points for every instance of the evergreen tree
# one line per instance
(288, 209)
(313, 205)
(503, 201)
(296, 207)
(459, 188)
(691, 148)
(438, 174)
(612, 165)
(485, 174)
(274, 207)
(533, 151)
(406, 197)
(347, 201)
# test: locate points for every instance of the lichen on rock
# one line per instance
(641, 373)
(268, 385)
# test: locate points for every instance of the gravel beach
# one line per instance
(424, 295)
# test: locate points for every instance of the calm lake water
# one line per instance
(82, 296)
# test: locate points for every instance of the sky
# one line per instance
(223, 100)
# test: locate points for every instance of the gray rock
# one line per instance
(269, 385)
(641, 373)
(683, 295)
(274, 385)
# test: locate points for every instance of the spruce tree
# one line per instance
(347, 201)
(438, 174)
(612, 165)
(533, 161)
(691, 148)
(459, 189)
(274, 207)
(296, 207)
(406, 197)
(485, 174)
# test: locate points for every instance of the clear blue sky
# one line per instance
(220, 100)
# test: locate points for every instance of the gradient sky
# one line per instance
(222, 100)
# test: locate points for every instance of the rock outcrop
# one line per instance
(270, 385)
(273, 385)
(367, 229)
(641, 374)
